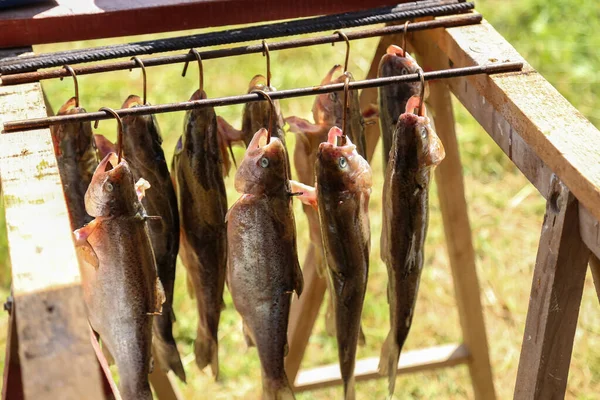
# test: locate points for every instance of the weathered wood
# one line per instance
(410, 362)
(87, 19)
(543, 118)
(491, 117)
(56, 358)
(449, 180)
(12, 388)
(303, 314)
(556, 290)
(595, 269)
(164, 384)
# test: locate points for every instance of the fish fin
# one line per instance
(206, 350)
(140, 188)
(179, 146)
(159, 296)
(286, 349)
(248, 335)
(301, 125)
(298, 279)
(190, 287)
(104, 146)
(85, 251)
(362, 340)
(227, 132)
(167, 357)
(388, 361)
(306, 194)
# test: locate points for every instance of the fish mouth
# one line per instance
(331, 146)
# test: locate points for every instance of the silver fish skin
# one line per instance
(263, 269)
(344, 181)
(416, 150)
(197, 174)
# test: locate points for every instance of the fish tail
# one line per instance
(168, 357)
(349, 391)
(206, 349)
(277, 389)
(388, 362)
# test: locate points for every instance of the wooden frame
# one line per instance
(532, 123)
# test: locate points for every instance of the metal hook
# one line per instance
(141, 65)
(404, 38)
(119, 131)
(422, 79)
(346, 99)
(72, 73)
(266, 53)
(343, 36)
(200, 68)
(271, 112)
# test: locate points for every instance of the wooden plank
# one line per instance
(490, 117)
(595, 269)
(12, 388)
(92, 19)
(556, 290)
(164, 384)
(56, 358)
(544, 119)
(451, 192)
(410, 362)
(303, 313)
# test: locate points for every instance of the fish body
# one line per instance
(343, 191)
(263, 269)
(120, 284)
(142, 148)
(415, 151)
(393, 98)
(77, 159)
(197, 173)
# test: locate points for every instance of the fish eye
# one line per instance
(343, 162)
(424, 133)
(332, 96)
(404, 71)
(264, 162)
(108, 186)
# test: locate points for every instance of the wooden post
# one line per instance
(554, 302)
(453, 205)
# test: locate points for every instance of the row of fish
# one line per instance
(132, 217)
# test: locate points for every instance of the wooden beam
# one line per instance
(304, 312)
(12, 388)
(410, 361)
(56, 358)
(556, 291)
(164, 384)
(491, 117)
(541, 116)
(89, 19)
(451, 193)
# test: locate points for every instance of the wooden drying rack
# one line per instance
(533, 124)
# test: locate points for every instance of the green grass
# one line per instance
(505, 210)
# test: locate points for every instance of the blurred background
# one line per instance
(557, 38)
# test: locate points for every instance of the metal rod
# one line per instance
(323, 23)
(38, 123)
(27, 77)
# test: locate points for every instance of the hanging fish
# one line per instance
(198, 175)
(121, 288)
(393, 98)
(256, 115)
(142, 149)
(343, 192)
(263, 269)
(77, 159)
(415, 151)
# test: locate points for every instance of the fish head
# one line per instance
(138, 130)
(112, 191)
(341, 168)
(264, 167)
(324, 105)
(398, 62)
(430, 151)
(74, 139)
